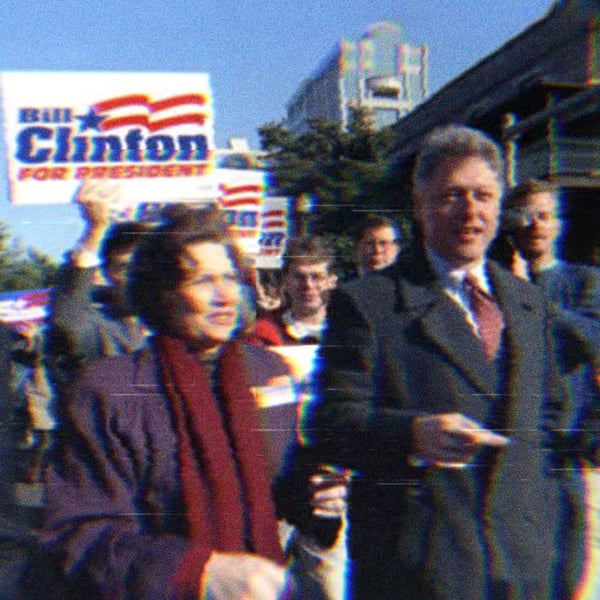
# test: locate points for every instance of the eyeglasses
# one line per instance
(522, 218)
(316, 278)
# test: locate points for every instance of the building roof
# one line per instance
(527, 59)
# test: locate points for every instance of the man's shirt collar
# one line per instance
(452, 278)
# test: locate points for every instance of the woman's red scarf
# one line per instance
(223, 468)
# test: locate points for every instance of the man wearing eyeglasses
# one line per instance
(532, 224)
(308, 278)
(377, 244)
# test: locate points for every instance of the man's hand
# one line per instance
(451, 439)
(31, 335)
(94, 199)
(519, 266)
(240, 576)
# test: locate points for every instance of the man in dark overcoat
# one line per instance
(435, 380)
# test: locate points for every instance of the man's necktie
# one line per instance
(487, 313)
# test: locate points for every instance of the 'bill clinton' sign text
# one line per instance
(153, 132)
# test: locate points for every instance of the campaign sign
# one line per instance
(274, 232)
(153, 133)
(241, 196)
(17, 308)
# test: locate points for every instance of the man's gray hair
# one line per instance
(456, 141)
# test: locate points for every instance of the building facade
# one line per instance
(380, 72)
(539, 95)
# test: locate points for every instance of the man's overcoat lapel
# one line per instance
(444, 324)
(525, 340)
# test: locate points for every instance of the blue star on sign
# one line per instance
(90, 121)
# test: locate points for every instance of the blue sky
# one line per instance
(255, 51)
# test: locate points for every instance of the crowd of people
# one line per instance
(448, 450)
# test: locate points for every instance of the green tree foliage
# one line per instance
(346, 172)
(23, 269)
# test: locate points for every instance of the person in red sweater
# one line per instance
(308, 278)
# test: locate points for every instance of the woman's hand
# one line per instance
(328, 489)
(240, 576)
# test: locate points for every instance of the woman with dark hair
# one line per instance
(160, 485)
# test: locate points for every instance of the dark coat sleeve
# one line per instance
(351, 420)
(83, 327)
(577, 315)
(586, 301)
(72, 304)
(112, 514)
(575, 291)
(72, 335)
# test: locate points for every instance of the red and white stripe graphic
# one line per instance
(273, 219)
(236, 196)
(140, 110)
